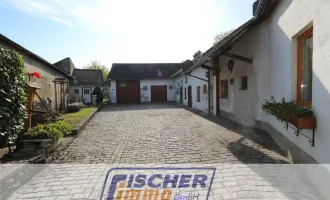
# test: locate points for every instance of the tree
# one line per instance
(12, 95)
(97, 65)
(222, 35)
(197, 54)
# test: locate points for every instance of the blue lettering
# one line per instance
(184, 181)
(199, 179)
(168, 180)
(141, 179)
(150, 181)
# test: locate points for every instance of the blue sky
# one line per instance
(119, 31)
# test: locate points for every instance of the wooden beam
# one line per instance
(238, 57)
(210, 68)
(198, 77)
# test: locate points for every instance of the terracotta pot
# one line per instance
(306, 123)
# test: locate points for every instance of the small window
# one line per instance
(186, 78)
(224, 89)
(86, 91)
(204, 89)
(244, 83)
(185, 93)
(76, 91)
(198, 88)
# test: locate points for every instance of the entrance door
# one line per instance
(181, 95)
(158, 93)
(87, 95)
(189, 96)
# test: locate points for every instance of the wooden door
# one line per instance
(128, 91)
(189, 97)
(158, 93)
(181, 98)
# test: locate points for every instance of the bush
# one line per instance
(64, 127)
(12, 94)
(74, 107)
(99, 94)
(46, 131)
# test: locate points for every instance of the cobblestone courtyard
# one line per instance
(156, 135)
(168, 134)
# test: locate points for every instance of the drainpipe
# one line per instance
(209, 89)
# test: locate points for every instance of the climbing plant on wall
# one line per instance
(12, 94)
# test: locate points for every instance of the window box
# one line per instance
(306, 123)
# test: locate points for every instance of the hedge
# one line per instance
(12, 94)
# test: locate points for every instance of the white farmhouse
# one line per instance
(282, 51)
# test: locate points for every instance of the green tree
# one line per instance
(222, 35)
(97, 65)
(197, 54)
(12, 95)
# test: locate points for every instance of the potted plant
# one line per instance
(300, 116)
(305, 118)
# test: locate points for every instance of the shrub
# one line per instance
(46, 131)
(64, 127)
(99, 94)
(12, 94)
(74, 107)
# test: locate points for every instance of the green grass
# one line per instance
(75, 118)
(106, 100)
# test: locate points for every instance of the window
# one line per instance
(86, 91)
(244, 83)
(186, 78)
(177, 91)
(305, 68)
(76, 91)
(185, 93)
(198, 88)
(224, 89)
(204, 89)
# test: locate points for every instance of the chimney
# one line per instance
(254, 7)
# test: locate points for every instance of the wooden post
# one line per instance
(55, 96)
(209, 89)
(30, 92)
(217, 91)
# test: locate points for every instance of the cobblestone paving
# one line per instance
(154, 135)
(231, 181)
(168, 134)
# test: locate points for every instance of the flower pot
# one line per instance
(306, 123)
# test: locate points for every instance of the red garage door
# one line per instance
(128, 91)
(159, 93)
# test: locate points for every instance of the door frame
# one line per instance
(82, 93)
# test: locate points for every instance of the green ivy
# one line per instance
(12, 94)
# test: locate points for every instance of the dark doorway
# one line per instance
(189, 96)
(181, 95)
(158, 93)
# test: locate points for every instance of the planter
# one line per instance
(306, 123)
